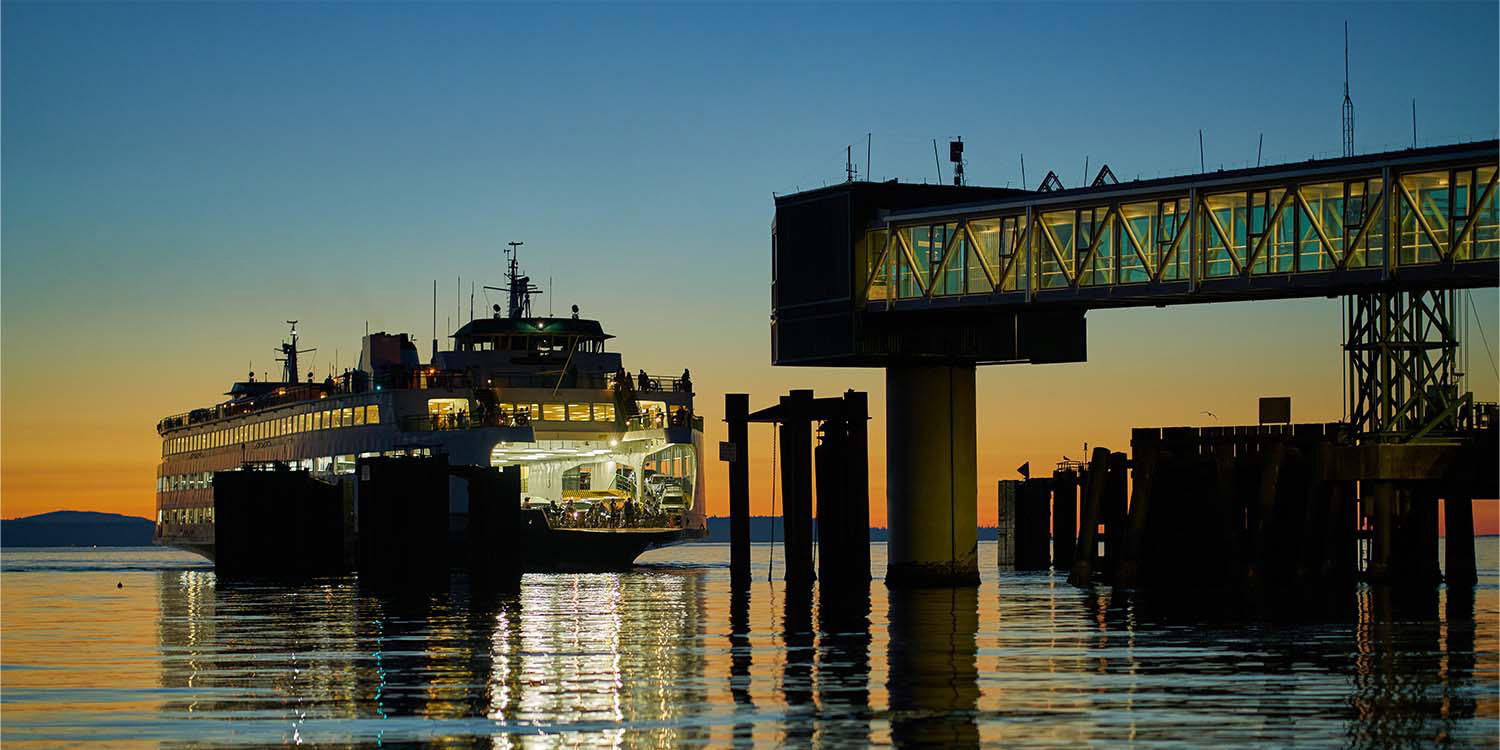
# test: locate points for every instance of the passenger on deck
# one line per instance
(686, 384)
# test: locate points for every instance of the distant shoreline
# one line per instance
(74, 529)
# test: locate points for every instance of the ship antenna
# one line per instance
(289, 354)
(516, 283)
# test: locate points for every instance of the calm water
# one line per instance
(666, 656)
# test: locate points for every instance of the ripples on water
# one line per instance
(667, 656)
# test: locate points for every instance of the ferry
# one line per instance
(612, 460)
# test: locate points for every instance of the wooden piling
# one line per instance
(829, 459)
(1230, 515)
(1382, 497)
(282, 524)
(403, 521)
(1116, 491)
(1064, 518)
(736, 409)
(856, 471)
(1007, 494)
(1088, 527)
(1419, 530)
(1144, 445)
(494, 520)
(1032, 523)
(1273, 457)
(796, 482)
(1458, 548)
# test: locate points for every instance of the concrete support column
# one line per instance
(931, 475)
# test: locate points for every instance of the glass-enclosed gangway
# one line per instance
(1423, 217)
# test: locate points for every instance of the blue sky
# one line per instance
(180, 178)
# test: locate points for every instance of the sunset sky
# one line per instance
(180, 179)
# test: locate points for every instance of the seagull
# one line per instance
(1211, 414)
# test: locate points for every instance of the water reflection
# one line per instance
(674, 657)
(585, 655)
(844, 664)
(741, 659)
(934, 679)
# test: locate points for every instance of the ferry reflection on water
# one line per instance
(669, 656)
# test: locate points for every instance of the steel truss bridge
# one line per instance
(1424, 218)
(877, 274)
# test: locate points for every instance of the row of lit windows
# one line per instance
(185, 515)
(202, 480)
(598, 412)
(326, 419)
(198, 480)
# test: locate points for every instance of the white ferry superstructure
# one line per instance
(613, 460)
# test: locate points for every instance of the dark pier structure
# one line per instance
(930, 281)
(1301, 506)
(843, 493)
(391, 521)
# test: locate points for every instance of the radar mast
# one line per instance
(518, 286)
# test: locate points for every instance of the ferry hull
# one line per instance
(551, 550)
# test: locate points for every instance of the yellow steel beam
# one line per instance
(1316, 225)
(1052, 244)
(885, 252)
(1260, 244)
(911, 262)
(1420, 220)
(1223, 236)
(1364, 228)
(974, 246)
(1110, 213)
(942, 264)
(1137, 246)
(1017, 248)
(1489, 188)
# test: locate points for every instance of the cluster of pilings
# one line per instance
(1283, 506)
(1074, 521)
(280, 523)
(393, 521)
(843, 505)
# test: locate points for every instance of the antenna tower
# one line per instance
(956, 155)
(1348, 103)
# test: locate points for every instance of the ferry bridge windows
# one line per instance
(578, 413)
(604, 412)
(554, 413)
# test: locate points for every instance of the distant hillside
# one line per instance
(75, 528)
(761, 527)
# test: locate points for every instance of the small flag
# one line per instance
(1024, 470)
